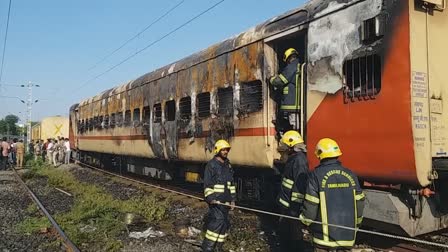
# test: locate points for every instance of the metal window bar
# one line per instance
(203, 105)
(127, 118)
(157, 110)
(225, 101)
(185, 108)
(112, 120)
(170, 110)
(251, 96)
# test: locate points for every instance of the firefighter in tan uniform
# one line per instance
(333, 196)
(219, 188)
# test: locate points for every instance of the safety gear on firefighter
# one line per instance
(294, 180)
(291, 138)
(288, 53)
(333, 195)
(327, 148)
(218, 186)
(221, 144)
(288, 82)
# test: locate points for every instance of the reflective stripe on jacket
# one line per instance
(289, 82)
(294, 180)
(218, 181)
(333, 196)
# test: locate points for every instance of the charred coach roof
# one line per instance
(311, 10)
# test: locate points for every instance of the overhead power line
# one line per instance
(136, 35)
(152, 44)
(4, 44)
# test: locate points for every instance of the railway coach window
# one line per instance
(106, 122)
(225, 101)
(170, 110)
(90, 124)
(146, 115)
(203, 104)
(185, 108)
(136, 117)
(119, 119)
(112, 120)
(157, 110)
(251, 96)
(127, 118)
(362, 77)
(100, 122)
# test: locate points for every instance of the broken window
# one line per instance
(170, 110)
(106, 122)
(203, 104)
(225, 101)
(112, 120)
(373, 28)
(100, 122)
(80, 126)
(127, 118)
(185, 108)
(157, 110)
(146, 115)
(362, 77)
(251, 96)
(90, 124)
(136, 117)
(119, 119)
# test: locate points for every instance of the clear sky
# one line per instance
(54, 43)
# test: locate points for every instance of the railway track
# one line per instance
(69, 245)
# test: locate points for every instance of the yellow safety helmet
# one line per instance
(288, 53)
(327, 148)
(291, 138)
(221, 144)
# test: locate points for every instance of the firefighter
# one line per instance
(333, 196)
(219, 189)
(288, 84)
(292, 191)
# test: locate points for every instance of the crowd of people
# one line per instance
(54, 151)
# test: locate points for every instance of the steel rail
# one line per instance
(70, 245)
(391, 236)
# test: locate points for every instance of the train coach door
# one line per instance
(287, 117)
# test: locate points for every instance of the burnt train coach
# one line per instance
(373, 79)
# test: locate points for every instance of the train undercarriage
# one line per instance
(396, 209)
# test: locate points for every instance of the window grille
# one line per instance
(362, 78)
(251, 96)
(225, 101)
(157, 110)
(203, 104)
(170, 110)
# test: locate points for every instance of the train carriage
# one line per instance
(373, 79)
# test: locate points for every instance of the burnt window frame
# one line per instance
(222, 97)
(106, 121)
(170, 110)
(202, 100)
(185, 108)
(112, 122)
(127, 118)
(119, 119)
(146, 115)
(251, 96)
(136, 117)
(157, 112)
(100, 122)
(359, 83)
(91, 124)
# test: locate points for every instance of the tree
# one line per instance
(8, 125)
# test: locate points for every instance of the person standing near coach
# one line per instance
(219, 189)
(292, 191)
(333, 196)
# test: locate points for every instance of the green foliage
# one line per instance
(8, 125)
(33, 225)
(96, 218)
